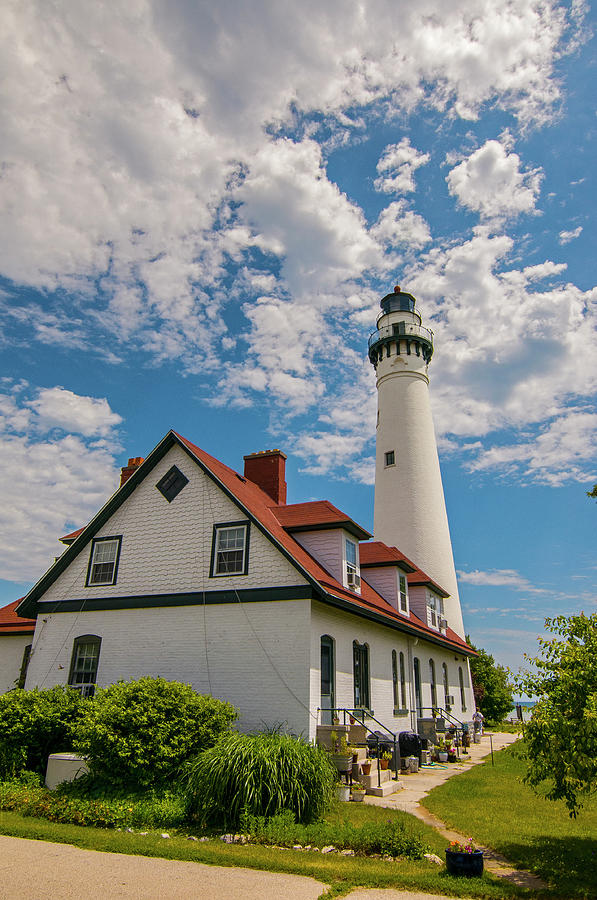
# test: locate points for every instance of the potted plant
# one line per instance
(384, 759)
(442, 750)
(357, 792)
(464, 859)
(452, 754)
(366, 767)
(341, 755)
(343, 791)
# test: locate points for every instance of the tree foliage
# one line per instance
(141, 732)
(34, 724)
(491, 685)
(562, 733)
(593, 493)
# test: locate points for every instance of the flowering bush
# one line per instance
(467, 847)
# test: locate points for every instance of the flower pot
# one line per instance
(343, 792)
(468, 865)
(366, 768)
(358, 796)
(384, 763)
(343, 763)
(442, 756)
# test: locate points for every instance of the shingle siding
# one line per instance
(166, 547)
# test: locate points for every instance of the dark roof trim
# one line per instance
(195, 598)
(431, 585)
(379, 617)
(401, 563)
(346, 525)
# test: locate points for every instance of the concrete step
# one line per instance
(371, 780)
(387, 787)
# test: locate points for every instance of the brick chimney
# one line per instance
(268, 470)
(127, 471)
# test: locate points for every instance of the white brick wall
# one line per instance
(12, 647)
(166, 547)
(256, 655)
(345, 628)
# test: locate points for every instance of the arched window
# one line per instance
(360, 662)
(446, 686)
(24, 666)
(84, 663)
(462, 694)
(432, 683)
(395, 680)
(418, 694)
(402, 682)
(327, 700)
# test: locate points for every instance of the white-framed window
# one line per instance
(432, 610)
(84, 663)
(353, 579)
(230, 549)
(403, 593)
(389, 458)
(103, 561)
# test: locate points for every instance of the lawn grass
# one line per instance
(496, 808)
(341, 873)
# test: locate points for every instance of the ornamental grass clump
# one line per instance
(259, 775)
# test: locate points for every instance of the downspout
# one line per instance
(411, 680)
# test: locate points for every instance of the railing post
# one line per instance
(378, 764)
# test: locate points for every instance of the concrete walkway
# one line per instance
(415, 788)
(37, 870)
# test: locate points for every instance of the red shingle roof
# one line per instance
(259, 505)
(316, 514)
(69, 538)
(376, 553)
(10, 623)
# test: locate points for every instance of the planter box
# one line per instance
(358, 796)
(468, 865)
(343, 763)
(343, 792)
(323, 736)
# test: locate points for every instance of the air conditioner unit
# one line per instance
(449, 698)
(443, 623)
(353, 580)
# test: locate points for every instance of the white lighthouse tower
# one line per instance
(410, 511)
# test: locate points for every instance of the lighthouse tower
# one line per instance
(410, 511)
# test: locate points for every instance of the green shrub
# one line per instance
(386, 838)
(259, 774)
(34, 724)
(137, 733)
(153, 811)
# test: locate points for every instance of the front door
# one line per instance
(327, 668)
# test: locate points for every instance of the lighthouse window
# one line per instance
(390, 458)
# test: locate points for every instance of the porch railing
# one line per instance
(359, 716)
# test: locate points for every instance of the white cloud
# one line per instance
(496, 578)
(397, 166)
(50, 484)
(398, 225)
(491, 182)
(89, 416)
(563, 450)
(567, 236)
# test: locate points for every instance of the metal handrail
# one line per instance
(404, 330)
(438, 711)
(359, 716)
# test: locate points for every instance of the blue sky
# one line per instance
(201, 207)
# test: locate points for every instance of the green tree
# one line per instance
(593, 493)
(561, 736)
(491, 685)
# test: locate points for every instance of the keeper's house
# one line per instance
(194, 572)
(16, 636)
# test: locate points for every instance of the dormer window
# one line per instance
(353, 579)
(435, 611)
(403, 594)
